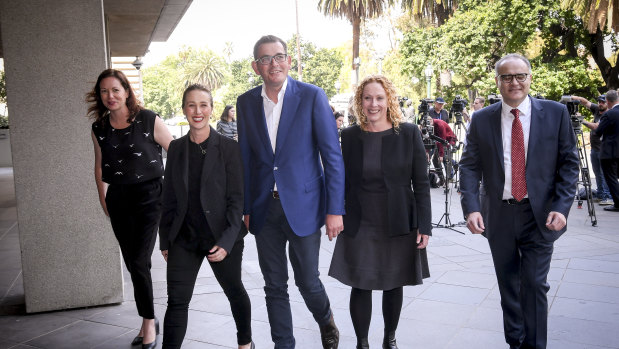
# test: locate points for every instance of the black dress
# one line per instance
(372, 259)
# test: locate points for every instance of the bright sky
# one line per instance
(211, 23)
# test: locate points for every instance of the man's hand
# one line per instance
(246, 221)
(216, 254)
(334, 225)
(164, 253)
(555, 221)
(475, 223)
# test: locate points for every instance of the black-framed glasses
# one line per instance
(279, 58)
(521, 77)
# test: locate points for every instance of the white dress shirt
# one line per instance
(507, 118)
(272, 114)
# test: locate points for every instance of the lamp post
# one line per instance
(357, 63)
(428, 73)
(338, 85)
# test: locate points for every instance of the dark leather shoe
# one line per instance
(329, 335)
(137, 340)
(611, 208)
(152, 345)
(389, 341)
(362, 343)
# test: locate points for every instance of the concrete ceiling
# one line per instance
(133, 24)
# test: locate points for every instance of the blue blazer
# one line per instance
(307, 163)
(552, 166)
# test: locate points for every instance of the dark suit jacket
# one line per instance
(609, 129)
(307, 164)
(221, 191)
(404, 163)
(551, 170)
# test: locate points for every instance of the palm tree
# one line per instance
(228, 50)
(201, 67)
(436, 11)
(355, 11)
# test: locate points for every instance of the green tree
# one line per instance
(321, 67)
(2, 87)
(240, 78)
(162, 84)
(201, 66)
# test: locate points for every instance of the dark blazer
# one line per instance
(551, 170)
(221, 191)
(404, 164)
(307, 162)
(609, 129)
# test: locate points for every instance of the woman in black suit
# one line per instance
(202, 211)
(387, 224)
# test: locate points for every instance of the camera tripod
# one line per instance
(585, 178)
(447, 190)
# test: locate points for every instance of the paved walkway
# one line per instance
(458, 307)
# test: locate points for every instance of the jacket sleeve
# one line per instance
(470, 171)
(168, 200)
(568, 167)
(234, 194)
(421, 185)
(246, 153)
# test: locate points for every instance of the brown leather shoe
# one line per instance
(329, 335)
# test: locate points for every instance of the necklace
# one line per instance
(198, 144)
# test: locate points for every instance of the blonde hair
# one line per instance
(394, 114)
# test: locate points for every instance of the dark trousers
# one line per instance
(134, 211)
(303, 251)
(596, 164)
(183, 268)
(610, 168)
(521, 258)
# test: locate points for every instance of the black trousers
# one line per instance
(522, 258)
(610, 167)
(134, 211)
(183, 268)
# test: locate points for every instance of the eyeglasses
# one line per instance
(510, 77)
(279, 58)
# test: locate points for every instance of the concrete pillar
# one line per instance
(53, 52)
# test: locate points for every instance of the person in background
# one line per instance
(478, 103)
(603, 193)
(388, 212)
(438, 112)
(202, 209)
(294, 184)
(608, 128)
(127, 143)
(227, 123)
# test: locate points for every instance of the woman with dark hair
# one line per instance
(128, 168)
(227, 123)
(202, 218)
(388, 219)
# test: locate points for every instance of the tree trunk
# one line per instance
(356, 31)
(609, 73)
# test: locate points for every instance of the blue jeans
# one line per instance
(603, 192)
(303, 252)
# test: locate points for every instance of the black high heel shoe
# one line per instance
(139, 339)
(153, 344)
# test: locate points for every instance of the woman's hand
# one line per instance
(422, 240)
(216, 254)
(164, 253)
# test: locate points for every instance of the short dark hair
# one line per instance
(197, 87)
(224, 114)
(97, 110)
(267, 39)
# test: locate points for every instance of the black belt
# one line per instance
(275, 194)
(516, 202)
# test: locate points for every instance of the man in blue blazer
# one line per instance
(294, 184)
(608, 128)
(523, 151)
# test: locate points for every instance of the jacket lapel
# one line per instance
(497, 135)
(289, 110)
(537, 120)
(261, 121)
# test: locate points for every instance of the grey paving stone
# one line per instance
(23, 328)
(80, 334)
(589, 292)
(584, 332)
(455, 294)
(586, 310)
(438, 312)
(467, 278)
(591, 277)
(476, 338)
(594, 265)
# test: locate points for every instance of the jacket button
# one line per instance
(275, 168)
(207, 212)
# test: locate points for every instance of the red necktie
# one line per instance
(519, 182)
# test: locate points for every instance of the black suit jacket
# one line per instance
(221, 191)
(609, 129)
(551, 170)
(404, 163)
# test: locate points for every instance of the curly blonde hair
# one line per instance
(394, 114)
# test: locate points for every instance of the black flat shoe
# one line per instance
(137, 340)
(611, 208)
(152, 345)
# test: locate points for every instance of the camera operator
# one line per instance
(608, 128)
(603, 193)
(444, 132)
(409, 112)
(438, 112)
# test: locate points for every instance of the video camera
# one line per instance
(457, 107)
(402, 101)
(426, 123)
(494, 99)
(572, 108)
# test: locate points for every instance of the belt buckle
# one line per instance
(275, 194)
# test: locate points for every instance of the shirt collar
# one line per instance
(524, 107)
(280, 94)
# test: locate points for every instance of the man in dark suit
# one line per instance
(294, 183)
(609, 154)
(521, 209)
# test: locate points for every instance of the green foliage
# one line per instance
(321, 67)
(472, 41)
(2, 87)
(240, 78)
